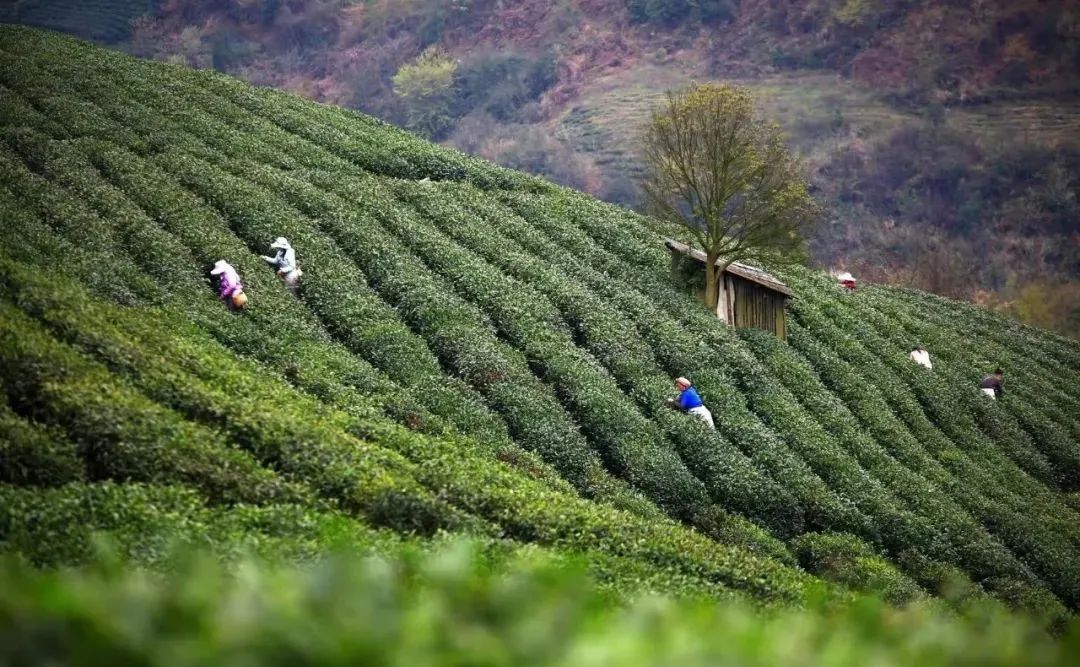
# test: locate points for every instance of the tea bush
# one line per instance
(35, 455)
(848, 560)
(1044, 409)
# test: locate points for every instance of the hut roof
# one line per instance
(745, 271)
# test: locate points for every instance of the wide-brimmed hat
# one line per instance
(220, 267)
(681, 381)
(280, 243)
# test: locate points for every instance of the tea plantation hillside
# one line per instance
(474, 351)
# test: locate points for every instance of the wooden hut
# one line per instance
(749, 297)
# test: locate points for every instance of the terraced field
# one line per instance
(1049, 124)
(474, 351)
(607, 121)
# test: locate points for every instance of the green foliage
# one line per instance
(33, 455)
(995, 437)
(989, 560)
(848, 560)
(597, 326)
(460, 604)
(144, 525)
(427, 86)
(525, 512)
(121, 434)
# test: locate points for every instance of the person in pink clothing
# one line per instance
(229, 285)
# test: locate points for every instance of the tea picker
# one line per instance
(920, 356)
(991, 385)
(847, 281)
(284, 260)
(229, 286)
(690, 401)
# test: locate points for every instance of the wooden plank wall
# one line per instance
(759, 308)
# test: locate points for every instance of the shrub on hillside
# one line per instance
(51, 528)
(35, 455)
(524, 511)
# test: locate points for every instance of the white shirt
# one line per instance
(921, 357)
(284, 259)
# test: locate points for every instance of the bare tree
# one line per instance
(716, 167)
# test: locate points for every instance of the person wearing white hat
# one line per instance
(690, 401)
(284, 260)
(229, 285)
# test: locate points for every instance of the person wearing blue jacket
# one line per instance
(690, 401)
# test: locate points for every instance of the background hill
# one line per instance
(476, 352)
(944, 136)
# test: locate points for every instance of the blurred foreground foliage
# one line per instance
(456, 606)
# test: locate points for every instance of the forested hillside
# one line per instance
(478, 352)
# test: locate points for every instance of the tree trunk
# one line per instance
(712, 281)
